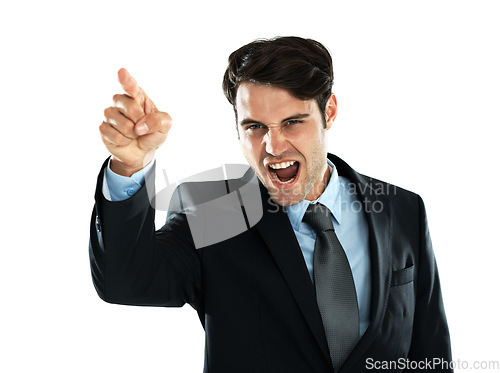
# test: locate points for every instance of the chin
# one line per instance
(288, 198)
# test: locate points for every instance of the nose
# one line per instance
(276, 143)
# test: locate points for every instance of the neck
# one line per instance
(318, 188)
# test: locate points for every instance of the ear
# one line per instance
(330, 111)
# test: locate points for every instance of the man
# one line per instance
(318, 284)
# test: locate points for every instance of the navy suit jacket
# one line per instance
(253, 293)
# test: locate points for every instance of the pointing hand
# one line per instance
(133, 128)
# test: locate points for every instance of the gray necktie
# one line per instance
(335, 290)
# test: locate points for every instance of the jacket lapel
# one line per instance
(379, 217)
(290, 261)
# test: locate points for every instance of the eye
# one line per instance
(293, 122)
(254, 127)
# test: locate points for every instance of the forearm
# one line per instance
(130, 264)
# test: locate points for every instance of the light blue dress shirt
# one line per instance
(348, 219)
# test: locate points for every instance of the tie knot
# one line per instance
(318, 217)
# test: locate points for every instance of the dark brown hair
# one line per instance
(301, 66)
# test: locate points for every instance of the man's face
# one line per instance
(284, 141)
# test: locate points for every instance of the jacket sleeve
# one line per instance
(430, 339)
(132, 264)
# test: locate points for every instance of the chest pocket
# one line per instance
(402, 276)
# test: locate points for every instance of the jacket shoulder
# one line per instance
(373, 186)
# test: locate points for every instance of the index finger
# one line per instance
(130, 86)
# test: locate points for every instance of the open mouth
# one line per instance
(284, 172)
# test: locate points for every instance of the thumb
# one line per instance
(153, 130)
(159, 122)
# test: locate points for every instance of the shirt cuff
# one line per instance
(119, 188)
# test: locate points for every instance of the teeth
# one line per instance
(276, 178)
(277, 166)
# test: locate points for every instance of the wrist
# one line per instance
(121, 168)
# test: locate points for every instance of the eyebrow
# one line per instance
(253, 121)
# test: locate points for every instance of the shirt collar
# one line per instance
(331, 198)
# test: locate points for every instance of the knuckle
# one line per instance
(102, 127)
(108, 112)
(135, 112)
(117, 98)
(166, 122)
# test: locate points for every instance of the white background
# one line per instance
(418, 88)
